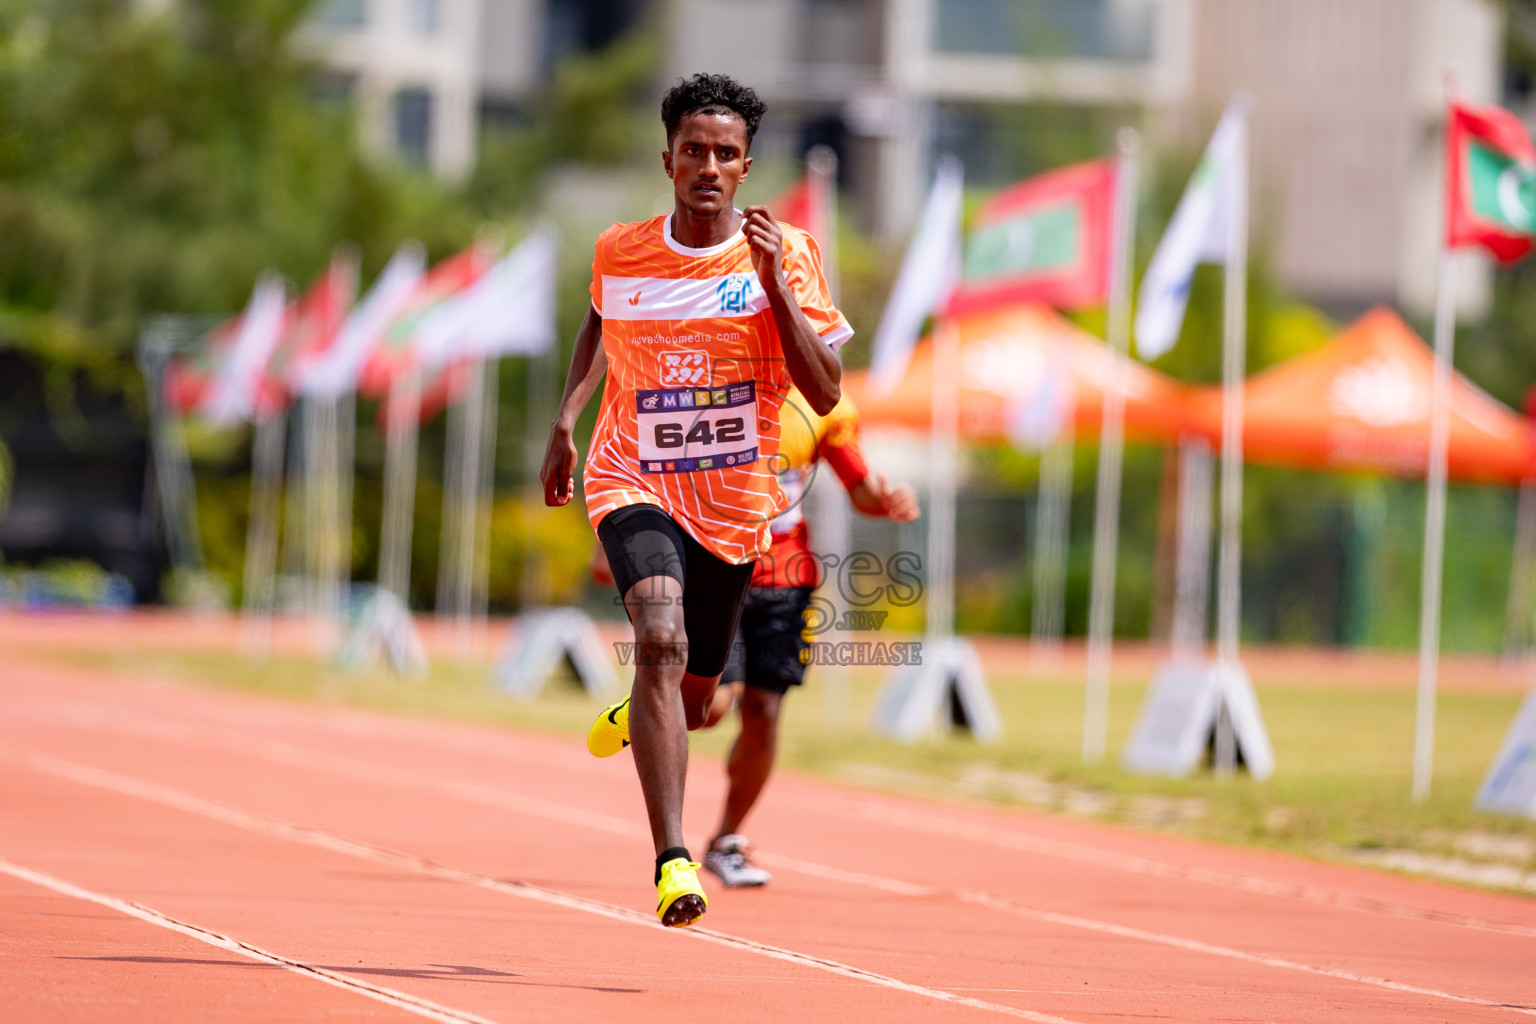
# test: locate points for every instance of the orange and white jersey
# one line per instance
(696, 375)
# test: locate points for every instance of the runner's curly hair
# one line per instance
(711, 94)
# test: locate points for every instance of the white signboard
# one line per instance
(947, 686)
(544, 637)
(382, 630)
(1178, 720)
(1511, 783)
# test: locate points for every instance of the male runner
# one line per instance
(768, 655)
(706, 317)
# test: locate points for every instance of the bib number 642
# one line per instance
(728, 430)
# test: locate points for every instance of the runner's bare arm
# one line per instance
(813, 366)
(588, 364)
(874, 497)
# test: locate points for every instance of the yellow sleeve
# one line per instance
(799, 431)
(840, 427)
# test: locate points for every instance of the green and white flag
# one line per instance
(1490, 182)
(1197, 234)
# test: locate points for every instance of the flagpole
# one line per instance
(945, 453)
(449, 562)
(1106, 518)
(261, 533)
(1192, 556)
(175, 485)
(1052, 523)
(318, 495)
(295, 544)
(1434, 512)
(1229, 565)
(1434, 526)
(471, 473)
(822, 163)
(401, 429)
(485, 497)
(346, 475)
(329, 537)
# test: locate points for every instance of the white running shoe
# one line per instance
(727, 861)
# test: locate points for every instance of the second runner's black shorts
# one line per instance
(643, 541)
(769, 652)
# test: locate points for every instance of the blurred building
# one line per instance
(1347, 95)
(425, 74)
(418, 69)
(1347, 103)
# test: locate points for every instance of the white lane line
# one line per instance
(1009, 906)
(885, 814)
(1078, 853)
(365, 771)
(280, 829)
(272, 826)
(341, 766)
(399, 1000)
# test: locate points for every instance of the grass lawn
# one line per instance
(1341, 788)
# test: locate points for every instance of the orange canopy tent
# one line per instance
(1361, 402)
(1013, 356)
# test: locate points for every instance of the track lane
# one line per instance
(823, 813)
(65, 960)
(481, 752)
(429, 935)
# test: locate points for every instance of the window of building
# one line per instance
(342, 13)
(422, 16)
(413, 124)
(1102, 29)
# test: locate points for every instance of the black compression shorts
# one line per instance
(642, 541)
(770, 647)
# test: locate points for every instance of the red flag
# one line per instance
(805, 204)
(1490, 181)
(396, 351)
(1045, 239)
(220, 378)
(189, 375)
(313, 321)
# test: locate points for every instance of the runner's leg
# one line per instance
(734, 673)
(773, 647)
(723, 703)
(715, 591)
(657, 722)
(752, 756)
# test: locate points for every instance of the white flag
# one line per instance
(336, 371)
(1196, 234)
(509, 311)
(928, 276)
(232, 398)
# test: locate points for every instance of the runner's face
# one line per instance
(707, 161)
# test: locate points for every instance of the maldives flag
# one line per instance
(1043, 240)
(1490, 182)
(396, 350)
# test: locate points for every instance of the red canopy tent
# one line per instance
(1016, 355)
(1361, 402)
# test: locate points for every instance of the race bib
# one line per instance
(686, 430)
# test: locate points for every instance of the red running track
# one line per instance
(169, 853)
